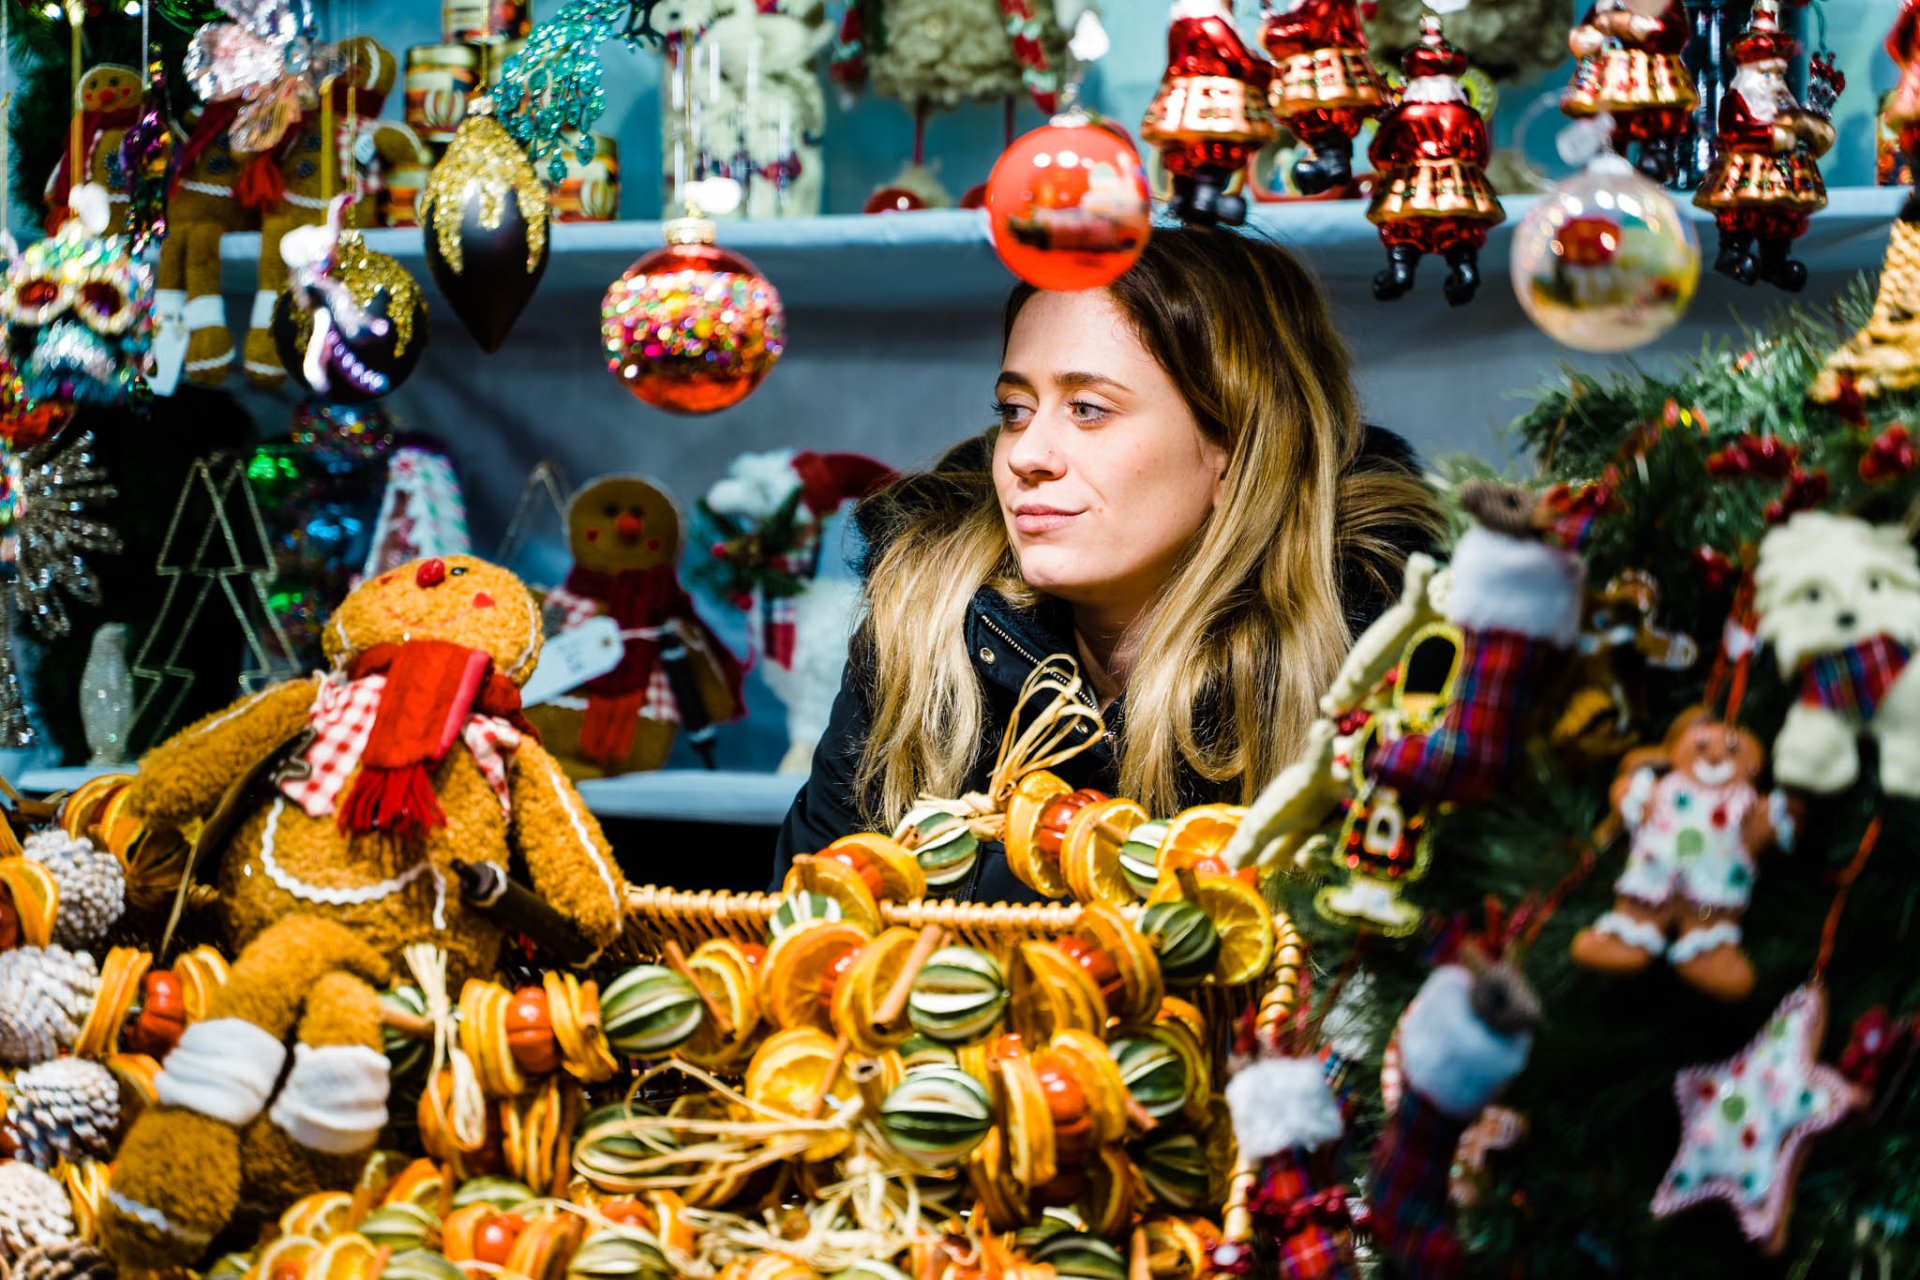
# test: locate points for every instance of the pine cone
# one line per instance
(64, 1260)
(66, 1109)
(33, 1209)
(44, 997)
(93, 892)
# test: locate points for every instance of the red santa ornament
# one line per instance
(1430, 190)
(1631, 69)
(1902, 111)
(1325, 86)
(1211, 114)
(1764, 182)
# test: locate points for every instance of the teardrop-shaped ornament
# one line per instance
(485, 215)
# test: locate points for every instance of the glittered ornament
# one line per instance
(692, 328)
(66, 1109)
(353, 322)
(484, 213)
(78, 307)
(1069, 206)
(48, 496)
(24, 422)
(1605, 261)
(1745, 1122)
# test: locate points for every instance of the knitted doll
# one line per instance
(625, 538)
(335, 809)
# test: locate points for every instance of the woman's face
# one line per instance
(1102, 472)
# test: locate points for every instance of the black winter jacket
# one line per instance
(1007, 644)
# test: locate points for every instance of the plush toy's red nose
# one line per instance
(431, 573)
(629, 526)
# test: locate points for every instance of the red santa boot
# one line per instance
(1211, 114)
(1430, 190)
(1325, 86)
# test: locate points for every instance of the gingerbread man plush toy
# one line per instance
(368, 784)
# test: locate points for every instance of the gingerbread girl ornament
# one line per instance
(1699, 823)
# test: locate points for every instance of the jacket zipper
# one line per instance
(1032, 662)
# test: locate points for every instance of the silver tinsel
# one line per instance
(67, 1109)
(45, 993)
(53, 533)
(34, 1209)
(93, 890)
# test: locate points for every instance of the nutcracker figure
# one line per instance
(1430, 189)
(1902, 111)
(1764, 182)
(1325, 86)
(1631, 69)
(1211, 114)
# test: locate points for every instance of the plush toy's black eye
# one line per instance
(458, 570)
(612, 510)
(1813, 595)
(635, 511)
(1873, 582)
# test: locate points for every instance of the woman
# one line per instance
(1179, 493)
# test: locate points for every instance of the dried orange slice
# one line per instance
(1024, 810)
(1099, 1076)
(1050, 993)
(1004, 1202)
(139, 1077)
(541, 1250)
(1108, 1204)
(1022, 1104)
(789, 1074)
(120, 976)
(901, 878)
(483, 1034)
(285, 1256)
(710, 1185)
(838, 882)
(80, 811)
(202, 972)
(320, 1216)
(418, 1184)
(1090, 851)
(1104, 927)
(1174, 1033)
(350, 1256)
(670, 1212)
(725, 972)
(857, 997)
(574, 1007)
(801, 970)
(1180, 1248)
(1244, 922)
(1200, 833)
(36, 898)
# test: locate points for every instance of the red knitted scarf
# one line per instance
(433, 688)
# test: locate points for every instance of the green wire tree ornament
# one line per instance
(555, 83)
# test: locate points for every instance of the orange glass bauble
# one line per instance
(1069, 205)
(692, 328)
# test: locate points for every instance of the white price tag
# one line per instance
(572, 658)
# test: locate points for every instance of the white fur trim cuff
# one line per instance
(1502, 583)
(1280, 1104)
(1697, 942)
(224, 1069)
(208, 311)
(1635, 933)
(335, 1098)
(262, 317)
(1633, 805)
(1448, 1054)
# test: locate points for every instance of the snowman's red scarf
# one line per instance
(433, 688)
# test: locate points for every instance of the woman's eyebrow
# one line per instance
(1008, 378)
(1086, 381)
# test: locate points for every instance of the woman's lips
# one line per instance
(1035, 518)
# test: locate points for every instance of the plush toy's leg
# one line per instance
(1412, 1220)
(209, 345)
(1896, 727)
(262, 358)
(1625, 939)
(331, 1107)
(1817, 751)
(1707, 953)
(177, 1178)
(565, 851)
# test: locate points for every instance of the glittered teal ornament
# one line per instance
(555, 83)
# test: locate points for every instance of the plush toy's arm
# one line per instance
(184, 777)
(1379, 646)
(565, 851)
(1298, 799)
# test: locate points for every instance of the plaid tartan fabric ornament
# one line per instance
(1285, 1115)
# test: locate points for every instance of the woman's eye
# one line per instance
(1086, 410)
(1011, 415)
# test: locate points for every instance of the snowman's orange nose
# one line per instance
(629, 526)
(431, 573)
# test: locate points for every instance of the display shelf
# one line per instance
(669, 795)
(944, 259)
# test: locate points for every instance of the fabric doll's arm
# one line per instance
(184, 777)
(565, 851)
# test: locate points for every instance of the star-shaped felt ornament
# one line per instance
(1745, 1122)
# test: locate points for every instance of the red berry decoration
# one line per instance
(163, 1015)
(893, 200)
(1890, 454)
(1069, 205)
(1716, 570)
(530, 1032)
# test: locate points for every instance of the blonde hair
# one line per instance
(1243, 638)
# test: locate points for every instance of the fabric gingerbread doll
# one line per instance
(356, 794)
(1698, 823)
(625, 537)
(108, 101)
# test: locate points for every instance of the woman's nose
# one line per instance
(1034, 452)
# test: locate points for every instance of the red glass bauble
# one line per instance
(976, 197)
(1069, 205)
(692, 328)
(894, 200)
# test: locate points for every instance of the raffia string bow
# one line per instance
(1058, 707)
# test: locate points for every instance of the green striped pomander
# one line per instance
(1140, 856)
(610, 1158)
(800, 908)
(503, 1194)
(1173, 1164)
(958, 997)
(948, 859)
(619, 1253)
(406, 1056)
(1075, 1255)
(1155, 1075)
(400, 1226)
(918, 1051)
(936, 1115)
(420, 1264)
(1184, 939)
(649, 1011)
